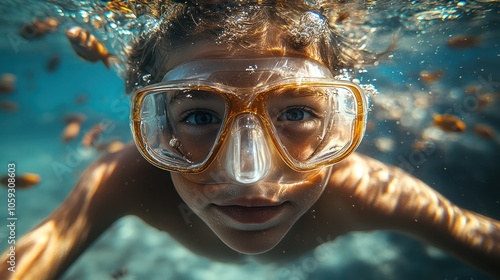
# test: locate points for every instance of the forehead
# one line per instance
(248, 72)
(208, 49)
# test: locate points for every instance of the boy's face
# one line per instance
(250, 218)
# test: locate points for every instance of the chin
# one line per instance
(252, 242)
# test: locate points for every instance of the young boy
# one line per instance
(243, 121)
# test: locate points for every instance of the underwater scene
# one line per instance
(435, 114)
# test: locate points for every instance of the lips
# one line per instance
(252, 212)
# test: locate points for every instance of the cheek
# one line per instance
(307, 193)
(196, 196)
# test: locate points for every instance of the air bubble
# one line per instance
(84, 16)
(174, 143)
(251, 68)
(311, 26)
(146, 78)
(312, 22)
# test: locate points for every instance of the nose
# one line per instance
(247, 157)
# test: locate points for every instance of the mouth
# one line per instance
(252, 212)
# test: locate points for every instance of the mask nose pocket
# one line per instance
(247, 151)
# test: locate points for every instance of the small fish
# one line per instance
(90, 138)
(80, 118)
(419, 145)
(7, 83)
(115, 146)
(473, 89)
(484, 100)
(110, 147)
(463, 41)
(39, 28)
(484, 131)
(424, 145)
(24, 181)
(6, 88)
(53, 63)
(88, 47)
(73, 127)
(9, 106)
(449, 123)
(431, 76)
(71, 131)
(119, 6)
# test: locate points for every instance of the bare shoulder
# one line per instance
(365, 176)
(377, 195)
(361, 176)
(125, 183)
(362, 171)
(365, 194)
(115, 185)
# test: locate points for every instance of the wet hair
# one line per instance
(278, 26)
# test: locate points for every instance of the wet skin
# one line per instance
(361, 194)
(357, 194)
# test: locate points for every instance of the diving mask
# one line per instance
(311, 119)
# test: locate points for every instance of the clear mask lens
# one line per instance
(314, 121)
(309, 125)
(181, 127)
(313, 124)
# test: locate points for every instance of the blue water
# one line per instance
(463, 167)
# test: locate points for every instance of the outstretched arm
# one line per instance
(46, 251)
(386, 197)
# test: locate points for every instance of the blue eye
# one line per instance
(201, 118)
(295, 115)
